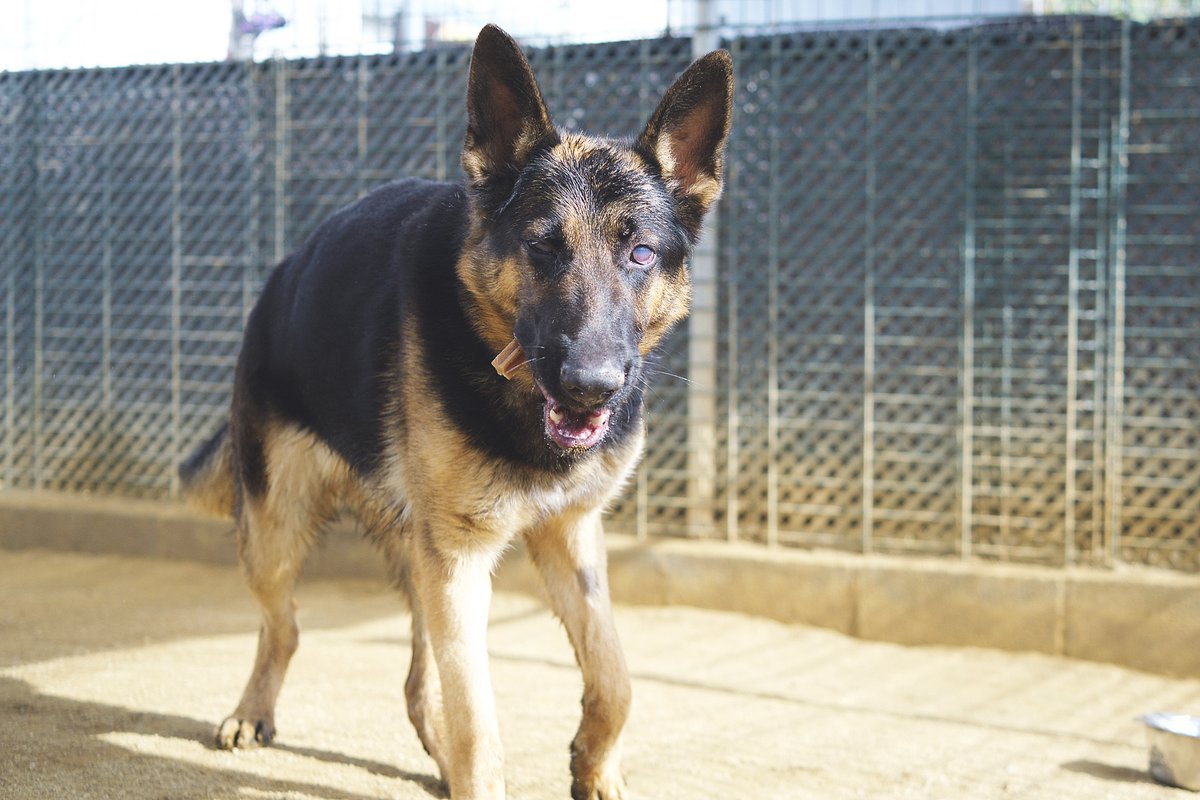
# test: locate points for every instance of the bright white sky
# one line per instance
(53, 33)
(86, 33)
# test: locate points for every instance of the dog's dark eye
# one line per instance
(544, 247)
(643, 255)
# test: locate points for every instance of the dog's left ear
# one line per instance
(506, 116)
(687, 133)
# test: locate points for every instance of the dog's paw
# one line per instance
(608, 785)
(244, 734)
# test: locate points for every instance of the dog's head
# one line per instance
(579, 244)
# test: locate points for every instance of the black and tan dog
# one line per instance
(365, 383)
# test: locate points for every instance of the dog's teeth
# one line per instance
(556, 416)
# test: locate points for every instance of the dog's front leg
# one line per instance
(453, 580)
(569, 553)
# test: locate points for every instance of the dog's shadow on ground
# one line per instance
(1108, 772)
(56, 743)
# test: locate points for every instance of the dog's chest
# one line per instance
(511, 502)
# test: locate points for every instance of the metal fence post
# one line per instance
(176, 269)
(253, 141)
(106, 271)
(868, 437)
(280, 66)
(19, 123)
(967, 378)
(775, 207)
(443, 158)
(732, 394)
(1115, 406)
(10, 375)
(39, 269)
(1070, 489)
(362, 183)
(702, 345)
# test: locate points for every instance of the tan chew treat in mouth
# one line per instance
(511, 357)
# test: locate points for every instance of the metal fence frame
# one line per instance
(950, 305)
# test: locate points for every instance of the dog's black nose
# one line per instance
(591, 386)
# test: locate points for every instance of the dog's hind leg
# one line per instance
(275, 529)
(271, 558)
(569, 553)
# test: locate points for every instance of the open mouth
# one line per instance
(574, 430)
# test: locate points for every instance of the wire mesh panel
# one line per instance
(1158, 495)
(415, 116)
(139, 269)
(18, 168)
(1036, 159)
(795, 216)
(106, 195)
(217, 255)
(915, 312)
(958, 301)
(324, 102)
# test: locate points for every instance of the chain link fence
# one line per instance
(956, 306)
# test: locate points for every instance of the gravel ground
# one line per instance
(114, 670)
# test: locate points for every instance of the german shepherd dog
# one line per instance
(365, 384)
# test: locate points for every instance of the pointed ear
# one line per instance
(506, 117)
(687, 133)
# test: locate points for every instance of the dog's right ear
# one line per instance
(506, 116)
(686, 135)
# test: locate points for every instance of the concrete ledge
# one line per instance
(107, 525)
(156, 529)
(1141, 618)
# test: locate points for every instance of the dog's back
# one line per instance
(319, 347)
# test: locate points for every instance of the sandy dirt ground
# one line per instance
(114, 670)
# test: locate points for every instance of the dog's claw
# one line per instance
(609, 784)
(244, 734)
(608, 791)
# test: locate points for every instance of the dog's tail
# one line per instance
(206, 476)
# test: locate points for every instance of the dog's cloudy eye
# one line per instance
(643, 255)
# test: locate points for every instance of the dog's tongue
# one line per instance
(575, 430)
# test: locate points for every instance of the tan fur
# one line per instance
(211, 489)
(665, 303)
(494, 286)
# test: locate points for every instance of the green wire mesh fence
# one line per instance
(957, 301)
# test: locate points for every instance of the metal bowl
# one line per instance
(1174, 749)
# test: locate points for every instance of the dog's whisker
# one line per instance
(688, 381)
(646, 386)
